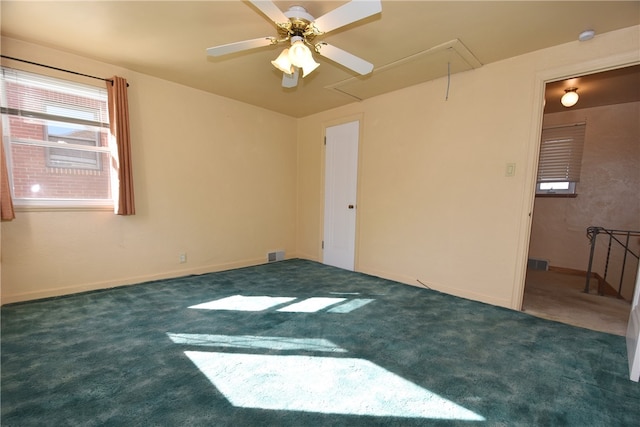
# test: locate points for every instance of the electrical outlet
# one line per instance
(183, 257)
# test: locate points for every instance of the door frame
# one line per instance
(632, 336)
(359, 117)
(531, 167)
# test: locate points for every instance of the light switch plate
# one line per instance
(510, 169)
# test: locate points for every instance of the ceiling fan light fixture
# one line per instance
(570, 97)
(283, 63)
(298, 27)
(300, 56)
(299, 53)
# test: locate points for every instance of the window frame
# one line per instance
(557, 192)
(560, 159)
(91, 142)
(90, 99)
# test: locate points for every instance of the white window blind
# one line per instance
(561, 153)
(28, 95)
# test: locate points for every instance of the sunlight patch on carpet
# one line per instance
(311, 305)
(255, 342)
(262, 303)
(350, 306)
(242, 303)
(322, 384)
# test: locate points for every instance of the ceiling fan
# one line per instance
(298, 27)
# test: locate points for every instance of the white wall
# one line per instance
(214, 178)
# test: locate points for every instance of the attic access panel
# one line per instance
(418, 68)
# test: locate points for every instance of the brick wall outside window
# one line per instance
(32, 177)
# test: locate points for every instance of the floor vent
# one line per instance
(275, 256)
(537, 264)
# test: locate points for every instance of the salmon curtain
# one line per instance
(6, 203)
(120, 142)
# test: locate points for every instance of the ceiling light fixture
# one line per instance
(570, 97)
(298, 55)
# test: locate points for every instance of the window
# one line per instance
(560, 159)
(65, 133)
(56, 140)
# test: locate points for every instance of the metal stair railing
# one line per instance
(592, 234)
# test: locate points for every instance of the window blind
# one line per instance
(561, 153)
(28, 95)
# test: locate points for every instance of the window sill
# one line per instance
(62, 205)
(559, 195)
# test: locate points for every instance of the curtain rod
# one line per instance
(58, 69)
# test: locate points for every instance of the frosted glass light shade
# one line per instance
(309, 66)
(299, 54)
(283, 63)
(570, 98)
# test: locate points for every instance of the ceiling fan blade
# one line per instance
(344, 58)
(290, 80)
(270, 10)
(346, 14)
(238, 46)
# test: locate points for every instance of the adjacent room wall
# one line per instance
(608, 194)
(214, 178)
(434, 203)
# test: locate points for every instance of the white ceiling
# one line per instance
(168, 39)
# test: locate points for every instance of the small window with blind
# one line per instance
(56, 140)
(560, 160)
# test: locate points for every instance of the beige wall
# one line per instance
(608, 194)
(434, 204)
(213, 177)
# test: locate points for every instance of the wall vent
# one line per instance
(537, 264)
(275, 256)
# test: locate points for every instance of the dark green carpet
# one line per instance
(410, 356)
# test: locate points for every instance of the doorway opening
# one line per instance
(605, 195)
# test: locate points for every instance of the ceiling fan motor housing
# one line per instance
(300, 24)
(299, 13)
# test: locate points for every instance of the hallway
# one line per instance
(560, 297)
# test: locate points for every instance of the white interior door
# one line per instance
(633, 333)
(341, 171)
